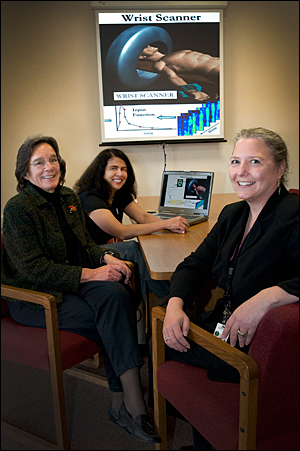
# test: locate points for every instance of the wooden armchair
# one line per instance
(48, 349)
(262, 412)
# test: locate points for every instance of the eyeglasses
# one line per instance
(40, 163)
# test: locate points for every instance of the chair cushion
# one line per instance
(28, 345)
(183, 385)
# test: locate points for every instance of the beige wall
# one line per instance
(50, 86)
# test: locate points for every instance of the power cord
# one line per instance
(163, 146)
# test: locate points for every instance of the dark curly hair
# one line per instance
(93, 177)
(24, 155)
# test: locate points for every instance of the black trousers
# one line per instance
(101, 311)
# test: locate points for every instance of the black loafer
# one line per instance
(140, 428)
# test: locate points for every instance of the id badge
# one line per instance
(219, 330)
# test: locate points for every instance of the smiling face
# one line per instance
(115, 173)
(253, 172)
(45, 176)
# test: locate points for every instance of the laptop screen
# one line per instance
(186, 192)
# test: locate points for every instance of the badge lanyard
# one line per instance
(228, 289)
(227, 295)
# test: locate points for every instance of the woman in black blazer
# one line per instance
(252, 252)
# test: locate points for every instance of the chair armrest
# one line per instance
(49, 304)
(245, 365)
(129, 264)
(22, 294)
(54, 353)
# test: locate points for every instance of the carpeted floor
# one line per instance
(26, 402)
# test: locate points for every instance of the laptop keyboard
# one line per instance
(168, 216)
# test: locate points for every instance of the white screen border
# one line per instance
(115, 116)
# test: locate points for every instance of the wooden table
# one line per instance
(164, 250)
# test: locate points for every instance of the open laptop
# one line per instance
(186, 194)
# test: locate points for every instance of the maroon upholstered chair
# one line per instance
(114, 240)
(262, 412)
(294, 190)
(48, 349)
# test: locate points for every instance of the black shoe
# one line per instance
(140, 428)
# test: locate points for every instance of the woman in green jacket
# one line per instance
(47, 248)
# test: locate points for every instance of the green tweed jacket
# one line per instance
(35, 255)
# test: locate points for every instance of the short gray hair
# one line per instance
(274, 142)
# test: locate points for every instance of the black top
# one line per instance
(92, 200)
(269, 255)
(75, 252)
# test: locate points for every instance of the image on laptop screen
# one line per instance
(186, 192)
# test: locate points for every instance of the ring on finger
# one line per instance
(167, 338)
(241, 334)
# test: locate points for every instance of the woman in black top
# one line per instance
(252, 252)
(107, 189)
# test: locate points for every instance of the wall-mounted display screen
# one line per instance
(160, 76)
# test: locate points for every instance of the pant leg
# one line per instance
(199, 442)
(195, 356)
(130, 250)
(115, 319)
(73, 314)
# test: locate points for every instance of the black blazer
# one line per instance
(269, 255)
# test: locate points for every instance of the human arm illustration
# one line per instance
(161, 68)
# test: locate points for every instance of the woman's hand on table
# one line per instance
(177, 224)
